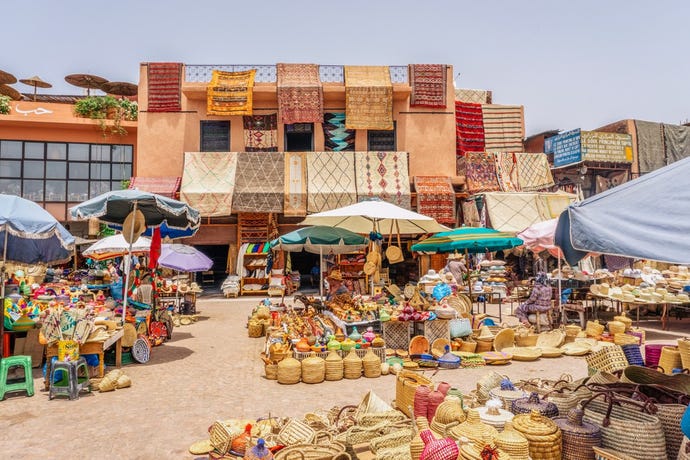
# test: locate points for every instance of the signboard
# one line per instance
(608, 147)
(566, 148)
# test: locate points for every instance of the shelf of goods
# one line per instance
(494, 275)
(348, 327)
(352, 267)
(257, 281)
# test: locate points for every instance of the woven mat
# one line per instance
(383, 175)
(368, 97)
(650, 146)
(469, 127)
(534, 172)
(260, 182)
(300, 93)
(480, 175)
(504, 127)
(507, 172)
(512, 212)
(166, 186)
(230, 93)
(337, 137)
(470, 214)
(164, 86)
(551, 205)
(428, 83)
(677, 142)
(435, 198)
(260, 133)
(478, 96)
(295, 203)
(330, 180)
(208, 182)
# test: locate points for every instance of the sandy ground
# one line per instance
(210, 370)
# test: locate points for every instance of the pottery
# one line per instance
(333, 344)
(303, 345)
(355, 336)
(347, 344)
(369, 335)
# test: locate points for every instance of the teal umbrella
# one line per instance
(468, 239)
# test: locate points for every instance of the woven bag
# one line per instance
(435, 400)
(633, 354)
(391, 440)
(271, 371)
(405, 386)
(296, 432)
(222, 434)
(670, 359)
(684, 348)
(421, 401)
(609, 359)
(313, 369)
(289, 371)
(352, 365)
(255, 328)
(417, 444)
(438, 449)
(578, 437)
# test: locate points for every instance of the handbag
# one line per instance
(460, 327)
(393, 253)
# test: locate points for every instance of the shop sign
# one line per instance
(566, 148)
(607, 147)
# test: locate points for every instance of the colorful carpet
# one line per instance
(650, 146)
(166, 186)
(295, 203)
(208, 182)
(260, 182)
(428, 83)
(368, 97)
(480, 175)
(534, 172)
(300, 93)
(507, 172)
(330, 180)
(477, 96)
(337, 137)
(435, 198)
(383, 175)
(164, 86)
(230, 93)
(260, 133)
(470, 214)
(512, 212)
(504, 127)
(469, 127)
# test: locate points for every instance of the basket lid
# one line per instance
(534, 424)
(534, 403)
(574, 424)
(513, 442)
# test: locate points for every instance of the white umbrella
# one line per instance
(116, 246)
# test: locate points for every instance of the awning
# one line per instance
(514, 212)
(166, 186)
(208, 182)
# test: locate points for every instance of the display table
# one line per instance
(91, 348)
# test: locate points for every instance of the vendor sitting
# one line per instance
(336, 284)
(538, 301)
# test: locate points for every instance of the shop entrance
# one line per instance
(218, 253)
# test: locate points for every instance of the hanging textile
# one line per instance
(436, 198)
(650, 146)
(164, 83)
(507, 172)
(428, 83)
(166, 186)
(208, 182)
(260, 133)
(300, 93)
(337, 137)
(610, 180)
(677, 142)
(230, 93)
(383, 175)
(512, 212)
(469, 128)
(504, 127)
(368, 97)
(477, 96)
(295, 184)
(330, 180)
(260, 182)
(534, 172)
(480, 175)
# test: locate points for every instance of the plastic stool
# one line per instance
(16, 361)
(73, 384)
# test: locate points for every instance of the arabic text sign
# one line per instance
(566, 148)
(608, 147)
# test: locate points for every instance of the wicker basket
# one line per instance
(608, 454)
(449, 411)
(473, 429)
(438, 347)
(578, 437)
(296, 432)
(513, 443)
(609, 359)
(633, 354)
(406, 384)
(352, 365)
(616, 327)
(623, 318)
(487, 383)
(594, 329)
(533, 403)
(289, 371)
(255, 328)
(543, 435)
(623, 338)
(529, 340)
(553, 339)
(222, 434)
(418, 345)
(670, 359)
(313, 369)
(334, 366)
(507, 396)
(468, 345)
(484, 345)
(684, 348)
(313, 452)
(271, 371)
(371, 364)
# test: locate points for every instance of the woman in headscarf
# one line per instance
(538, 301)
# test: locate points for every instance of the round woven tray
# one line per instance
(550, 352)
(576, 348)
(552, 339)
(504, 339)
(496, 357)
(523, 353)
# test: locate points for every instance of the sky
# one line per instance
(572, 64)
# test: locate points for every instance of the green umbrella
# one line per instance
(468, 239)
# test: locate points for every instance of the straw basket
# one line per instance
(296, 432)
(438, 347)
(542, 433)
(625, 320)
(608, 454)
(271, 371)
(484, 345)
(616, 327)
(473, 429)
(289, 371)
(609, 359)
(534, 403)
(507, 396)
(222, 434)
(313, 369)
(468, 345)
(526, 340)
(625, 339)
(352, 365)
(513, 443)
(633, 354)
(313, 452)
(255, 328)
(684, 348)
(417, 444)
(371, 364)
(418, 345)
(594, 329)
(551, 339)
(406, 384)
(449, 411)
(334, 366)
(670, 359)
(578, 437)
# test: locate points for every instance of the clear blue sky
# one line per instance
(571, 64)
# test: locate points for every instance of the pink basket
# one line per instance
(652, 353)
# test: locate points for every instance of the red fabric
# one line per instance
(469, 124)
(155, 252)
(428, 83)
(166, 186)
(164, 87)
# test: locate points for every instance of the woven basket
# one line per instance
(352, 365)
(609, 454)
(670, 359)
(625, 339)
(484, 345)
(468, 345)
(553, 339)
(609, 359)
(616, 327)
(296, 432)
(633, 354)
(391, 440)
(289, 371)
(313, 369)
(473, 429)
(418, 345)
(623, 318)
(684, 348)
(534, 403)
(438, 347)
(652, 353)
(487, 383)
(371, 365)
(578, 437)
(334, 366)
(507, 396)
(513, 442)
(449, 411)
(255, 328)
(542, 433)
(222, 434)
(312, 452)
(529, 340)
(271, 371)
(406, 384)
(594, 329)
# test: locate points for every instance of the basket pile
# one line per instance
(371, 365)
(594, 329)
(313, 369)
(543, 435)
(352, 365)
(608, 359)
(473, 429)
(578, 437)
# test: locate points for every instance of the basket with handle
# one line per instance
(405, 387)
(334, 451)
(296, 432)
(684, 349)
(670, 359)
(608, 359)
(579, 437)
(594, 329)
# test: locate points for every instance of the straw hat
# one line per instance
(134, 225)
(195, 288)
(183, 288)
(111, 325)
(369, 268)
(485, 333)
(455, 256)
(576, 348)
(98, 334)
(337, 275)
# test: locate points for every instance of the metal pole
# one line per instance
(560, 290)
(128, 269)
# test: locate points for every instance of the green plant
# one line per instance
(104, 108)
(4, 104)
(130, 109)
(125, 184)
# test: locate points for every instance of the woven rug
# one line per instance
(259, 182)
(650, 146)
(208, 182)
(295, 203)
(507, 172)
(260, 133)
(166, 186)
(469, 127)
(164, 86)
(300, 93)
(435, 198)
(512, 212)
(330, 180)
(480, 175)
(337, 137)
(504, 127)
(477, 96)
(230, 93)
(383, 175)
(534, 172)
(368, 97)
(428, 83)
(470, 214)
(677, 142)
(551, 205)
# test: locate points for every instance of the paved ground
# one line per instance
(210, 370)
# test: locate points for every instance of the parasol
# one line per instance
(184, 258)
(468, 239)
(36, 82)
(7, 78)
(11, 92)
(120, 88)
(83, 80)
(116, 246)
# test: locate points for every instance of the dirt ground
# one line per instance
(210, 370)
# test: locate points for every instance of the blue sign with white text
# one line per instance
(567, 148)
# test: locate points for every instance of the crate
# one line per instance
(437, 329)
(396, 334)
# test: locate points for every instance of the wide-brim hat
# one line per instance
(183, 288)
(504, 338)
(455, 256)
(134, 225)
(485, 333)
(336, 275)
(369, 268)
(129, 335)
(109, 324)
(195, 287)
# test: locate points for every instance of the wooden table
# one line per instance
(91, 348)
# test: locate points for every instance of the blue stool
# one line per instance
(26, 385)
(73, 383)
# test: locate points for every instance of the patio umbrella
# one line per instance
(319, 239)
(120, 88)
(29, 234)
(11, 92)
(540, 237)
(377, 215)
(36, 82)
(83, 80)
(183, 258)
(467, 239)
(7, 78)
(116, 246)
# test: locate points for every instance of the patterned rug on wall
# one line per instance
(534, 172)
(650, 146)
(513, 212)
(435, 198)
(330, 180)
(166, 186)
(337, 137)
(260, 133)
(230, 93)
(507, 172)
(470, 214)
(368, 97)
(208, 182)
(469, 127)
(504, 127)
(428, 83)
(480, 175)
(295, 203)
(478, 96)
(300, 93)
(164, 86)
(383, 175)
(260, 182)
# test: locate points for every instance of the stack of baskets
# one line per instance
(624, 319)
(352, 365)
(371, 364)
(313, 369)
(448, 414)
(571, 332)
(405, 387)
(594, 329)
(289, 371)
(616, 327)
(334, 366)
(578, 437)
(513, 443)
(542, 433)
(670, 359)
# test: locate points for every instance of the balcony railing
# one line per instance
(195, 73)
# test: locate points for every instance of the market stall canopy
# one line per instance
(184, 258)
(365, 216)
(116, 246)
(471, 239)
(646, 218)
(540, 237)
(320, 240)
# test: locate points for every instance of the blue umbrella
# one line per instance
(166, 232)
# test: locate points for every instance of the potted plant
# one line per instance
(5, 104)
(104, 108)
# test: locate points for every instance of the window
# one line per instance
(299, 137)
(215, 136)
(381, 141)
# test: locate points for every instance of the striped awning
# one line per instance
(166, 186)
